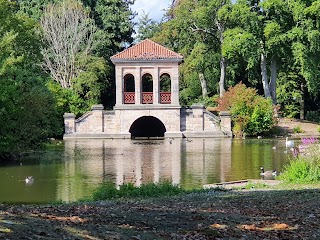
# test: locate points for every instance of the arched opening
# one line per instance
(147, 127)
(129, 89)
(165, 89)
(147, 89)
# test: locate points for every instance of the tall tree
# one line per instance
(69, 35)
(305, 41)
(194, 24)
(147, 27)
(67, 31)
(114, 21)
(34, 8)
(259, 30)
(26, 106)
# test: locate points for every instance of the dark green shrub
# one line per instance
(251, 113)
(313, 116)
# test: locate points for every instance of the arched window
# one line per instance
(147, 88)
(165, 89)
(129, 89)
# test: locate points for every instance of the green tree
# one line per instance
(69, 36)
(26, 106)
(146, 27)
(34, 8)
(195, 31)
(115, 31)
(114, 21)
(67, 31)
(305, 42)
(257, 36)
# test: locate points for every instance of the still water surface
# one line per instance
(73, 169)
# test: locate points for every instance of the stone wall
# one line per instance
(193, 122)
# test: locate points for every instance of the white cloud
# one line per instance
(155, 8)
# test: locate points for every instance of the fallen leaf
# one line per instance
(280, 226)
(219, 226)
(5, 230)
(248, 227)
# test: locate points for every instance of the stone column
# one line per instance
(137, 85)
(175, 85)
(69, 123)
(97, 118)
(225, 124)
(198, 120)
(119, 86)
(156, 85)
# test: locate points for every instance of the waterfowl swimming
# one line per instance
(29, 180)
(268, 173)
(289, 143)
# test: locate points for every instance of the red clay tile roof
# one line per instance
(146, 50)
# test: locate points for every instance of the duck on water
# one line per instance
(29, 180)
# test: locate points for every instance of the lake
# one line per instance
(70, 170)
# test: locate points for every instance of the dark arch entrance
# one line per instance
(147, 127)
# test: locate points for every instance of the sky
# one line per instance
(155, 8)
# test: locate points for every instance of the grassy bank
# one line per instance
(108, 191)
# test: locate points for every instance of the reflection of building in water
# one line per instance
(205, 161)
(91, 162)
(149, 161)
(187, 163)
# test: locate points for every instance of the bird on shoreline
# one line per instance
(269, 173)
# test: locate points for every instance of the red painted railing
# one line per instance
(129, 97)
(165, 97)
(147, 97)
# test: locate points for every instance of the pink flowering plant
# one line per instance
(304, 167)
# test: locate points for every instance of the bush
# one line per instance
(297, 129)
(109, 190)
(251, 113)
(313, 116)
(303, 168)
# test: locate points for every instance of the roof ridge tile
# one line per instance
(146, 50)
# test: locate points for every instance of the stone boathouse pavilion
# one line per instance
(147, 102)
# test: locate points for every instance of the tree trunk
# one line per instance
(264, 75)
(203, 85)
(302, 102)
(222, 60)
(222, 75)
(273, 80)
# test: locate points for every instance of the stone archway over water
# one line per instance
(147, 127)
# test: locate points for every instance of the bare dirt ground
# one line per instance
(287, 126)
(269, 214)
